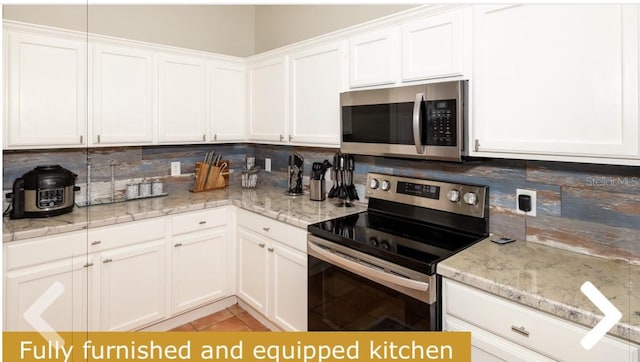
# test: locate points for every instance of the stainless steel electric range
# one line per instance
(376, 270)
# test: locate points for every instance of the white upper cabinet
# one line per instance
(182, 99)
(227, 100)
(46, 96)
(374, 58)
(556, 80)
(434, 47)
(122, 94)
(317, 78)
(268, 93)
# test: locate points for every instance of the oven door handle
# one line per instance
(417, 125)
(366, 271)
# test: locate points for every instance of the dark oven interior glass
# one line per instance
(341, 300)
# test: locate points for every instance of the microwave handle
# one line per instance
(417, 125)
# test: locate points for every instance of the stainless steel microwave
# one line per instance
(424, 121)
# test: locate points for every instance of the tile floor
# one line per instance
(231, 319)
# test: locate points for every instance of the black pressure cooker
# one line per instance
(43, 192)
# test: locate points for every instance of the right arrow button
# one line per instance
(611, 315)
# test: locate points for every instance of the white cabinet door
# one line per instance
(556, 80)
(182, 99)
(434, 47)
(374, 58)
(268, 94)
(46, 91)
(227, 100)
(253, 286)
(198, 269)
(317, 77)
(122, 95)
(289, 273)
(132, 286)
(65, 279)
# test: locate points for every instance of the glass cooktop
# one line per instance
(414, 245)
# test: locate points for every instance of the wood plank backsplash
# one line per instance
(591, 209)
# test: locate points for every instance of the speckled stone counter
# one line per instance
(549, 279)
(268, 201)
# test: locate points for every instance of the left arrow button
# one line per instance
(33, 314)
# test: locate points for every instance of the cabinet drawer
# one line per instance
(45, 249)
(198, 220)
(286, 234)
(125, 234)
(552, 336)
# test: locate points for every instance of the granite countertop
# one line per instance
(269, 201)
(549, 279)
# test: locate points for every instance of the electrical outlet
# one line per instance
(532, 195)
(175, 168)
(267, 164)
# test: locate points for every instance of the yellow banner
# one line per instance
(238, 346)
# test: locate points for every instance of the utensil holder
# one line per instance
(317, 191)
(249, 179)
(209, 177)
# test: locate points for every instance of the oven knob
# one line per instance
(386, 185)
(374, 183)
(453, 195)
(373, 241)
(385, 245)
(470, 198)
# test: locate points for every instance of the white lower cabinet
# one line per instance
(121, 277)
(201, 259)
(132, 286)
(272, 270)
(502, 330)
(65, 278)
(253, 270)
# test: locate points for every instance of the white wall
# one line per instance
(279, 25)
(239, 30)
(225, 29)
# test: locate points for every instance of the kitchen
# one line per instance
(256, 100)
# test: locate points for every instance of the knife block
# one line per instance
(217, 179)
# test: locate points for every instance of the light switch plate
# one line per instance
(267, 164)
(175, 168)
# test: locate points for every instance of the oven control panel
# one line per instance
(464, 199)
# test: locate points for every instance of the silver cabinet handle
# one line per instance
(96, 242)
(520, 330)
(417, 126)
(177, 245)
(266, 229)
(87, 265)
(202, 222)
(81, 139)
(215, 137)
(270, 250)
(476, 145)
(290, 138)
(281, 138)
(261, 245)
(109, 260)
(98, 138)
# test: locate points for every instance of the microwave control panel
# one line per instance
(441, 122)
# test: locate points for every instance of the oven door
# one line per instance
(353, 291)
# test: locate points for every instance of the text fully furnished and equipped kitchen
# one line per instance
(327, 167)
